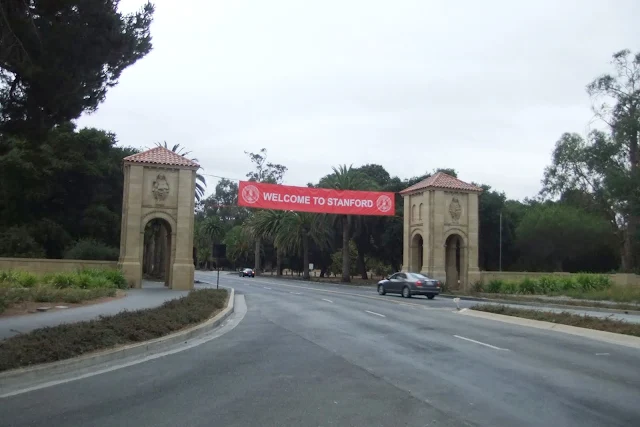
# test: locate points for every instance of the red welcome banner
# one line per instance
(319, 200)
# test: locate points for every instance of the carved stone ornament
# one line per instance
(160, 188)
(455, 210)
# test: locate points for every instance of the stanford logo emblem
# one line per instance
(250, 194)
(384, 203)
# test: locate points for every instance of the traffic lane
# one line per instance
(258, 374)
(300, 286)
(531, 341)
(500, 334)
(491, 329)
(439, 301)
(554, 373)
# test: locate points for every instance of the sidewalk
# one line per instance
(151, 295)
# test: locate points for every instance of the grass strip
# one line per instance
(565, 318)
(74, 339)
(546, 301)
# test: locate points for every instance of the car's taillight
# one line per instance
(418, 283)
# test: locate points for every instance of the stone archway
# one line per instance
(157, 250)
(417, 253)
(455, 262)
(158, 185)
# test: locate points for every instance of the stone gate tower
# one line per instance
(159, 184)
(440, 238)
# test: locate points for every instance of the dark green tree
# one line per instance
(58, 58)
(69, 188)
(346, 178)
(557, 237)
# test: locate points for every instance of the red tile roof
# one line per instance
(443, 181)
(161, 156)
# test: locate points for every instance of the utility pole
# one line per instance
(500, 241)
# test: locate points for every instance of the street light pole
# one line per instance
(500, 241)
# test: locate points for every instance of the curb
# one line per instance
(37, 372)
(542, 304)
(603, 336)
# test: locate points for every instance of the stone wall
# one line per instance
(516, 276)
(43, 266)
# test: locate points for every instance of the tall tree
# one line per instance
(239, 245)
(557, 237)
(346, 178)
(267, 224)
(67, 189)
(298, 230)
(268, 172)
(58, 58)
(624, 119)
(265, 171)
(605, 165)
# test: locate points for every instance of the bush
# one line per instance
(593, 282)
(61, 280)
(17, 242)
(26, 279)
(91, 249)
(21, 279)
(18, 286)
(70, 340)
(567, 284)
(510, 288)
(528, 286)
(478, 287)
(7, 276)
(495, 286)
(114, 276)
(86, 279)
(550, 285)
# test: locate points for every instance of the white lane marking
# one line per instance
(240, 310)
(327, 300)
(602, 354)
(482, 343)
(267, 288)
(377, 314)
(296, 293)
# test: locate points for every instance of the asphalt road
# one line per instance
(316, 355)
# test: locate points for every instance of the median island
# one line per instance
(128, 327)
(565, 318)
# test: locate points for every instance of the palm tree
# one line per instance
(265, 224)
(296, 231)
(346, 178)
(212, 228)
(239, 242)
(201, 183)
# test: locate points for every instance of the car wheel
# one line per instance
(406, 292)
(431, 296)
(381, 290)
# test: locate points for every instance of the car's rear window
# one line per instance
(418, 276)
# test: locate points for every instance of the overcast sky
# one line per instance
(484, 87)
